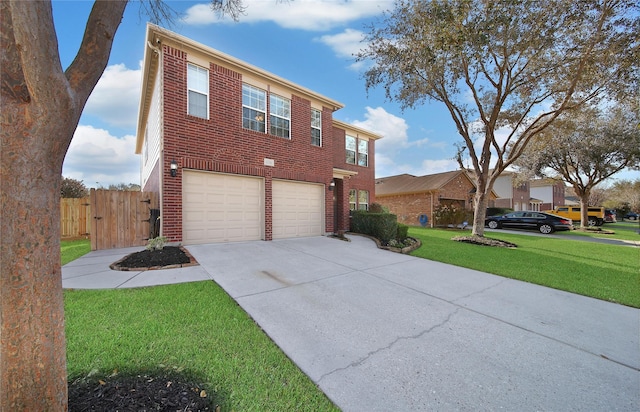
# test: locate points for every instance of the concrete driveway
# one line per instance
(380, 331)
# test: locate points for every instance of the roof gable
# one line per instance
(406, 183)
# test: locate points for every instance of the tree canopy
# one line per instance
(505, 70)
(586, 146)
(73, 188)
(624, 195)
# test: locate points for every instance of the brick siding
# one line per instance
(409, 207)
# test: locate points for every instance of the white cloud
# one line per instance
(391, 127)
(115, 98)
(100, 159)
(345, 45)
(395, 152)
(431, 166)
(394, 129)
(311, 15)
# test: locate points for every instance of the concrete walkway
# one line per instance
(380, 331)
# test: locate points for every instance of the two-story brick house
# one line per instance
(237, 153)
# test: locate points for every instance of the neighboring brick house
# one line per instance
(409, 196)
(550, 192)
(237, 153)
(514, 195)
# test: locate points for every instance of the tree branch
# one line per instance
(92, 58)
(32, 24)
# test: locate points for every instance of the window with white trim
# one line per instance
(363, 200)
(197, 91)
(254, 108)
(357, 151)
(350, 147)
(353, 205)
(280, 120)
(363, 152)
(316, 127)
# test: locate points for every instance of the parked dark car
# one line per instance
(610, 216)
(544, 222)
(631, 216)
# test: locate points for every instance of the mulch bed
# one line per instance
(484, 241)
(138, 393)
(166, 258)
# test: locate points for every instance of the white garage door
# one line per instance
(221, 208)
(298, 209)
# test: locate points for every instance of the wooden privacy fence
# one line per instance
(120, 218)
(75, 217)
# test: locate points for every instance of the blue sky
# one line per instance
(309, 42)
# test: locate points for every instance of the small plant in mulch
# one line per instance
(484, 241)
(406, 242)
(156, 243)
(145, 392)
(156, 256)
(167, 257)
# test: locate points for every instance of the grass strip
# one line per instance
(73, 249)
(193, 328)
(601, 271)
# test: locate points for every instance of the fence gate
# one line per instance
(120, 218)
(75, 217)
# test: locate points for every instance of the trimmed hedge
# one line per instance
(383, 226)
(403, 232)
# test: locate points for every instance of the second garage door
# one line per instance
(298, 209)
(221, 208)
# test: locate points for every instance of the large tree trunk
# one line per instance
(32, 355)
(584, 208)
(40, 109)
(481, 200)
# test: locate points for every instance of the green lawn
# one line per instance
(601, 271)
(73, 249)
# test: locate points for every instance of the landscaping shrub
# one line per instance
(445, 215)
(402, 232)
(382, 226)
(377, 208)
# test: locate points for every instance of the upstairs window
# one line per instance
(280, 110)
(357, 151)
(350, 147)
(254, 107)
(197, 91)
(363, 152)
(316, 127)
